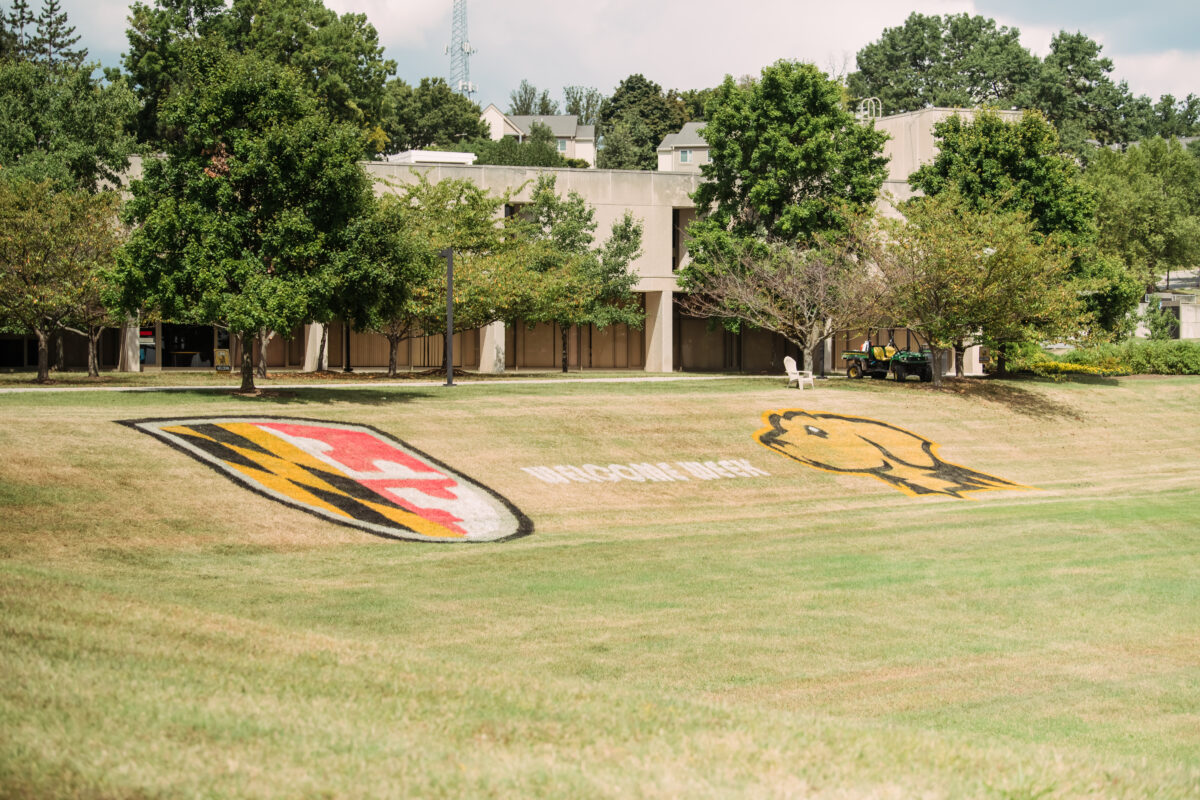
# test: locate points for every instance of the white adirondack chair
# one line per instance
(798, 376)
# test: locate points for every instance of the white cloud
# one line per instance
(401, 24)
(1172, 72)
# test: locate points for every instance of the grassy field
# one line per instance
(166, 633)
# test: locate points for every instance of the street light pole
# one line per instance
(448, 254)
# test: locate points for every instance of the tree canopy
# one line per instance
(571, 281)
(953, 60)
(54, 245)
(1148, 207)
(60, 124)
(249, 211)
(428, 115)
(646, 114)
(957, 272)
(787, 161)
(338, 58)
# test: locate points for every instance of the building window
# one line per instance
(685, 156)
(562, 145)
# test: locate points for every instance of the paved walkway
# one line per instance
(384, 384)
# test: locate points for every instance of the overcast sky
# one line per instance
(1155, 44)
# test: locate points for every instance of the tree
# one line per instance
(787, 161)
(490, 279)
(18, 43)
(525, 101)
(638, 98)
(52, 245)
(624, 144)
(429, 115)
(247, 215)
(54, 39)
(959, 273)
(539, 149)
(1021, 167)
(951, 60)
(60, 124)
(694, 101)
(584, 102)
(338, 58)
(1148, 209)
(1075, 93)
(576, 283)
(805, 294)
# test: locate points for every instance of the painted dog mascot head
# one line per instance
(860, 446)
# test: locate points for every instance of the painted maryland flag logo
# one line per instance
(350, 474)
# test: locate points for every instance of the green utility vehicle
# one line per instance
(878, 361)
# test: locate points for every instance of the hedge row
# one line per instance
(1140, 357)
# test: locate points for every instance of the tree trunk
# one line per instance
(59, 354)
(93, 335)
(958, 360)
(1001, 361)
(43, 356)
(393, 349)
(263, 338)
(247, 364)
(565, 331)
(935, 365)
(322, 364)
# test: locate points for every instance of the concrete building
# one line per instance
(669, 340)
(573, 140)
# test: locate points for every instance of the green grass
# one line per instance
(164, 633)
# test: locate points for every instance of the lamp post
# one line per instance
(448, 254)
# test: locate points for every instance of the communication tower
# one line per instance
(460, 51)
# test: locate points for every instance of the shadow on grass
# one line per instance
(1015, 398)
(267, 398)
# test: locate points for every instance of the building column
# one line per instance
(313, 354)
(130, 356)
(971, 365)
(660, 334)
(491, 348)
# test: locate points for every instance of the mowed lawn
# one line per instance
(167, 633)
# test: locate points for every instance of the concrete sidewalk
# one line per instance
(388, 384)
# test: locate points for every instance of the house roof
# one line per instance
(563, 126)
(688, 136)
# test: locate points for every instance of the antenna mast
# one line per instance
(460, 51)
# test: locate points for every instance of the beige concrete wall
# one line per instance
(650, 196)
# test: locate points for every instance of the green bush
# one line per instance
(1141, 357)
(1059, 369)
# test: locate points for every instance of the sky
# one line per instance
(1154, 44)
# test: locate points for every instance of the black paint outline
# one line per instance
(524, 523)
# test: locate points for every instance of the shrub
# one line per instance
(1059, 369)
(1141, 357)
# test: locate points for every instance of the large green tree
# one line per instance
(490, 260)
(786, 161)
(649, 115)
(54, 245)
(952, 60)
(58, 123)
(1021, 167)
(430, 114)
(1148, 207)
(338, 58)
(959, 273)
(572, 281)
(243, 219)
(1077, 95)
